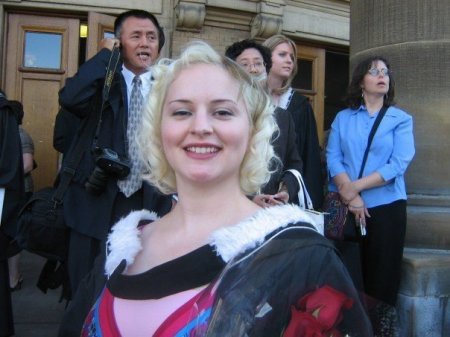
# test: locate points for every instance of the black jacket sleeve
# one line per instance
(79, 91)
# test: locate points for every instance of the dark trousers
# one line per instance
(6, 313)
(382, 251)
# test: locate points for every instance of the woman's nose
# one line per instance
(201, 123)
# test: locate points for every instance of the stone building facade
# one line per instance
(41, 46)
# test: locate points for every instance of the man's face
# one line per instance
(139, 41)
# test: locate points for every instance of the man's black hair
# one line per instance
(237, 48)
(140, 14)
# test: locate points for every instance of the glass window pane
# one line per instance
(42, 50)
(303, 79)
(108, 35)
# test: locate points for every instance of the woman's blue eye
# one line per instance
(224, 113)
(181, 113)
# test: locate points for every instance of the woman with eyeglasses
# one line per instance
(283, 71)
(377, 200)
(283, 186)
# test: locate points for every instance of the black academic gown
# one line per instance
(285, 148)
(11, 179)
(308, 146)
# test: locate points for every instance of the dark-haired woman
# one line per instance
(378, 199)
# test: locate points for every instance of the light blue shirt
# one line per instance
(391, 151)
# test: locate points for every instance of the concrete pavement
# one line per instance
(35, 314)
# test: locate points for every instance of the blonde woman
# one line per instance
(209, 265)
(284, 69)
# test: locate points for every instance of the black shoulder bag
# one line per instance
(41, 227)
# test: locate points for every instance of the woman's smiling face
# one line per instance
(205, 128)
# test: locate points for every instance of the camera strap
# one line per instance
(69, 169)
(110, 71)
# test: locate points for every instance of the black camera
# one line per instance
(107, 164)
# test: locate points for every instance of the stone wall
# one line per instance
(413, 35)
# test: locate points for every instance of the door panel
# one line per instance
(99, 26)
(310, 81)
(36, 68)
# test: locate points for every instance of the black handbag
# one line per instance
(41, 228)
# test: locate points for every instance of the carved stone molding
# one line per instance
(265, 25)
(190, 16)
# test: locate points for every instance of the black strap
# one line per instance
(93, 121)
(371, 134)
(110, 71)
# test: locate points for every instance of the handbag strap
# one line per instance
(304, 199)
(93, 122)
(371, 134)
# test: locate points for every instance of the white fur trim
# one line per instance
(124, 241)
(230, 241)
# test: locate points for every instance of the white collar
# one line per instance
(285, 98)
(146, 79)
(124, 242)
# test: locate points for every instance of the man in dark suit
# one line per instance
(90, 212)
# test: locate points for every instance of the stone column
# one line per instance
(414, 35)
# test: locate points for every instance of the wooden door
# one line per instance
(99, 27)
(42, 51)
(310, 80)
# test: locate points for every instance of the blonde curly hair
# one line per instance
(255, 168)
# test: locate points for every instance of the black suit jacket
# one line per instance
(86, 213)
(284, 143)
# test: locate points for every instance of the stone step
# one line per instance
(428, 226)
(423, 299)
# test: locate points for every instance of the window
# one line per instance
(42, 50)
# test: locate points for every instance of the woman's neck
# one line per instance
(200, 207)
(373, 103)
(274, 82)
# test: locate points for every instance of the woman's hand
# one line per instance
(348, 191)
(359, 210)
(267, 200)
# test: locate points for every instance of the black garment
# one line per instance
(11, 179)
(6, 312)
(296, 261)
(65, 131)
(273, 260)
(285, 148)
(11, 166)
(189, 271)
(382, 250)
(88, 214)
(308, 146)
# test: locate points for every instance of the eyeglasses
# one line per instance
(375, 71)
(256, 65)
